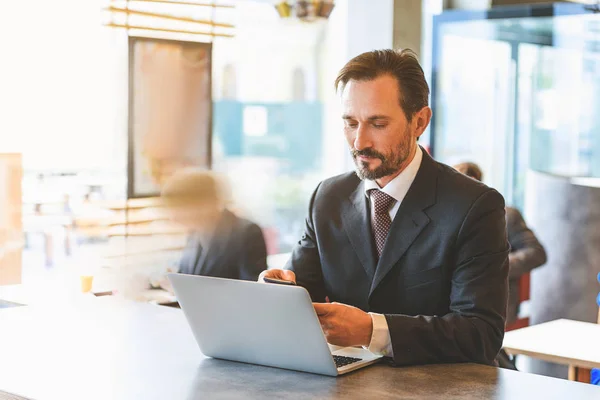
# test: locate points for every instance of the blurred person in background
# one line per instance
(526, 252)
(220, 244)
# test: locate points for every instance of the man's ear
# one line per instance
(421, 120)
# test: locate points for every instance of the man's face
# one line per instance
(378, 132)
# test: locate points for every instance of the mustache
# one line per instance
(368, 153)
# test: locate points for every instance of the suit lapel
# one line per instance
(198, 251)
(217, 245)
(357, 224)
(410, 220)
(189, 258)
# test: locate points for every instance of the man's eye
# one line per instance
(379, 126)
(351, 125)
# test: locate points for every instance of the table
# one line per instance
(563, 341)
(105, 348)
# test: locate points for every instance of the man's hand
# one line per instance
(344, 325)
(281, 274)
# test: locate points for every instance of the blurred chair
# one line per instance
(524, 290)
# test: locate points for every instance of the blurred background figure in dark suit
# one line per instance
(526, 251)
(220, 244)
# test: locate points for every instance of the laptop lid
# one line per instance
(257, 323)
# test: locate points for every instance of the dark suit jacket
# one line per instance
(441, 280)
(236, 251)
(526, 253)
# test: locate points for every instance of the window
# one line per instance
(268, 135)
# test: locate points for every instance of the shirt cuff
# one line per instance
(381, 342)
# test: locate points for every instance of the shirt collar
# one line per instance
(398, 187)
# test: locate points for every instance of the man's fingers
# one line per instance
(326, 327)
(322, 309)
(287, 275)
(281, 274)
(262, 276)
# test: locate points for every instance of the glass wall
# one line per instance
(267, 121)
(473, 113)
(514, 94)
(63, 105)
(276, 128)
(63, 97)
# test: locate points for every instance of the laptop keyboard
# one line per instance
(341, 361)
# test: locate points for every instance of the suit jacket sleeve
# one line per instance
(189, 256)
(526, 251)
(305, 260)
(474, 329)
(255, 260)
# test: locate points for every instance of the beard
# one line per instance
(390, 162)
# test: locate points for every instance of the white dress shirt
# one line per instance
(381, 342)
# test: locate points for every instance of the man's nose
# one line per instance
(362, 140)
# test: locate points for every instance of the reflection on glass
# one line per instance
(520, 93)
(473, 106)
(267, 135)
(170, 121)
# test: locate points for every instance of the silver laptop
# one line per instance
(261, 323)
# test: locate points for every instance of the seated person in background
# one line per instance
(526, 252)
(220, 243)
(412, 254)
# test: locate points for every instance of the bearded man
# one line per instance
(405, 256)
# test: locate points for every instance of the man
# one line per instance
(526, 252)
(220, 244)
(412, 254)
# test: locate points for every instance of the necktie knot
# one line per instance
(381, 200)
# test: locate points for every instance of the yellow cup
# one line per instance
(86, 283)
